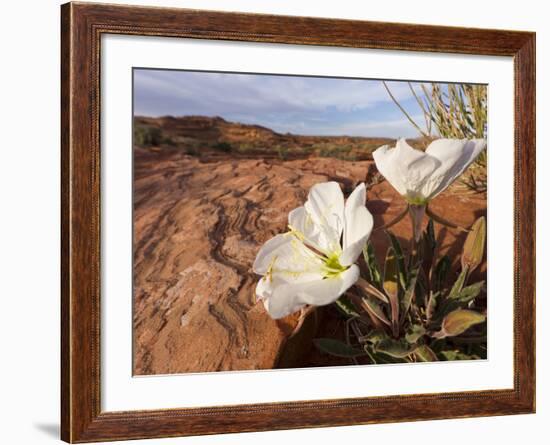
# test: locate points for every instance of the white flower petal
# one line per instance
(415, 166)
(288, 298)
(455, 156)
(287, 256)
(279, 308)
(358, 226)
(264, 289)
(384, 160)
(325, 206)
(300, 221)
(405, 168)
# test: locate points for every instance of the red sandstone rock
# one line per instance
(198, 226)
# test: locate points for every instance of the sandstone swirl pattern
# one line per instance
(197, 227)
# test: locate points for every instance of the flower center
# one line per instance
(332, 266)
(415, 198)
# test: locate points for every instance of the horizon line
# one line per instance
(269, 128)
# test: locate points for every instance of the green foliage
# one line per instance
(422, 312)
(337, 348)
(338, 152)
(345, 306)
(223, 146)
(192, 150)
(458, 321)
(283, 152)
(147, 136)
(373, 270)
(474, 246)
(424, 354)
(456, 111)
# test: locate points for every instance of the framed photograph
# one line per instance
(274, 222)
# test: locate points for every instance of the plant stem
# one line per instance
(423, 133)
(417, 213)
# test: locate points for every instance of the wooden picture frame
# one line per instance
(82, 26)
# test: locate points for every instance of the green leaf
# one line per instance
(379, 358)
(374, 308)
(459, 321)
(337, 348)
(395, 348)
(414, 333)
(374, 337)
(441, 271)
(424, 354)
(371, 290)
(456, 355)
(469, 293)
(429, 239)
(409, 294)
(438, 345)
(474, 247)
(459, 283)
(391, 273)
(391, 286)
(462, 299)
(432, 304)
(400, 258)
(375, 276)
(346, 307)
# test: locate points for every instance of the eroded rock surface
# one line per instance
(197, 228)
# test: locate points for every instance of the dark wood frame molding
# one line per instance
(81, 28)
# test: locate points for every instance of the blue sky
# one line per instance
(294, 104)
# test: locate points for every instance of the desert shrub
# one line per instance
(223, 146)
(343, 153)
(147, 136)
(283, 152)
(414, 307)
(168, 141)
(457, 111)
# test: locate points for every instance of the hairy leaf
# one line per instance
(374, 308)
(432, 304)
(345, 306)
(400, 258)
(458, 285)
(424, 354)
(365, 286)
(457, 322)
(409, 294)
(374, 337)
(375, 276)
(457, 355)
(469, 293)
(414, 333)
(395, 348)
(337, 348)
(391, 273)
(391, 286)
(430, 242)
(380, 358)
(474, 247)
(441, 271)
(460, 300)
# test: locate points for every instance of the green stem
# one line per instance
(417, 213)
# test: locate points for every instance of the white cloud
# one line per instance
(266, 92)
(297, 104)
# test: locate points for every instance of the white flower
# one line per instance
(420, 176)
(314, 262)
